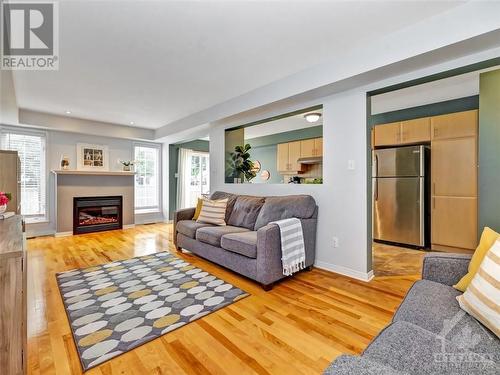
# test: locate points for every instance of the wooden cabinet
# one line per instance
(454, 223)
(404, 132)
(454, 125)
(311, 148)
(387, 134)
(10, 175)
(416, 131)
(13, 334)
(454, 172)
(288, 154)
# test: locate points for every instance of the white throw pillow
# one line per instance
(213, 212)
(481, 299)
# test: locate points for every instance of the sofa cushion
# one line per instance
(213, 211)
(411, 349)
(231, 199)
(213, 234)
(241, 243)
(432, 305)
(349, 364)
(189, 227)
(285, 207)
(245, 211)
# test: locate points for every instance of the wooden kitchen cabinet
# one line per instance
(416, 131)
(307, 148)
(454, 175)
(454, 167)
(387, 134)
(318, 146)
(288, 154)
(311, 148)
(455, 125)
(454, 223)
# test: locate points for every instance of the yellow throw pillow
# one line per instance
(198, 209)
(488, 238)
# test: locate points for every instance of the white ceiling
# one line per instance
(154, 62)
(282, 125)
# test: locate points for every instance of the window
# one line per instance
(199, 182)
(147, 178)
(31, 150)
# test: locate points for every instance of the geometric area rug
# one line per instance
(115, 307)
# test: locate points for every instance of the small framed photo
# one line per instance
(92, 157)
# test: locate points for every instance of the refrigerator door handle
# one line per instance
(375, 192)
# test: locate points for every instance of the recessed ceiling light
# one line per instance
(132, 123)
(312, 117)
(68, 112)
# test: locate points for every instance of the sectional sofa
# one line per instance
(430, 333)
(248, 244)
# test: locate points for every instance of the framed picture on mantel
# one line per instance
(92, 157)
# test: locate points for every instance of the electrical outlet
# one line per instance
(335, 242)
(351, 165)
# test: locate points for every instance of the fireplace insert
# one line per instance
(95, 214)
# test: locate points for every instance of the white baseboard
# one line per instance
(363, 276)
(128, 226)
(63, 234)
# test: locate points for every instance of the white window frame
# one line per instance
(45, 218)
(158, 208)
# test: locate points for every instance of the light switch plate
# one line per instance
(351, 165)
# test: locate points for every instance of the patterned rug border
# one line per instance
(80, 350)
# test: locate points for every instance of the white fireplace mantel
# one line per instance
(91, 173)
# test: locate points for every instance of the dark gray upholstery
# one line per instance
(277, 208)
(189, 227)
(409, 348)
(245, 211)
(429, 305)
(241, 243)
(430, 333)
(255, 254)
(350, 365)
(184, 214)
(213, 234)
(446, 269)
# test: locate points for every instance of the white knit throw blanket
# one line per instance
(293, 254)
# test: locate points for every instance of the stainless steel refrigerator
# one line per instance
(400, 195)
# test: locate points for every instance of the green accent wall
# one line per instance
(173, 161)
(267, 156)
(489, 150)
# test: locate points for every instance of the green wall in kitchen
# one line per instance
(173, 161)
(489, 150)
(267, 157)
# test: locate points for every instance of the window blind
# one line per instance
(147, 177)
(31, 151)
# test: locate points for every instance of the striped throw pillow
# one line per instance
(213, 212)
(482, 297)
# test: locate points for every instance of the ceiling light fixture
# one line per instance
(68, 112)
(132, 123)
(312, 117)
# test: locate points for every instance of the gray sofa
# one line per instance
(248, 245)
(430, 333)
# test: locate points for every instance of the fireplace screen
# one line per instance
(93, 214)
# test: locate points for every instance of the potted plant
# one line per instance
(4, 199)
(241, 167)
(126, 165)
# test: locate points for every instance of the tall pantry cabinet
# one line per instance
(454, 161)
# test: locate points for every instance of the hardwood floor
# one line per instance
(394, 261)
(297, 328)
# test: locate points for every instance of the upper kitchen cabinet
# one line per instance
(311, 148)
(287, 157)
(403, 133)
(387, 134)
(455, 125)
(416, 131)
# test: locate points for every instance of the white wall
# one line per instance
(59, 143)
(342, 196)
(8, 101)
